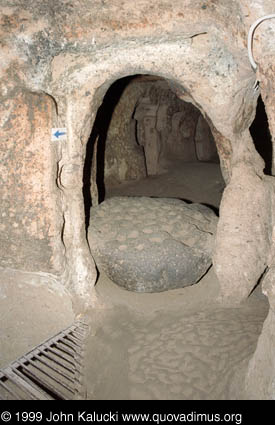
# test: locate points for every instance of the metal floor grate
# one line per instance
(51, 371)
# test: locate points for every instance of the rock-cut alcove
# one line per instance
(146, 138)
(148, 142)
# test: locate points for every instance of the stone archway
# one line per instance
(140, 129)
(116, 155)
(238, 260)
(216, 98)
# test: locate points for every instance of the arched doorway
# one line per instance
(146, 141)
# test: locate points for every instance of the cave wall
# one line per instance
(260, 378)
(124, 158)
(30, 228)
(205, 145)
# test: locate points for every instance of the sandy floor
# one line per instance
(196, 181)
(179, 344)
(33, 308)
(173, 345)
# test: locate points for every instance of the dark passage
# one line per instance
(259, 131)
(100, 130)
(166, 145)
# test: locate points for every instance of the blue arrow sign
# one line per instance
(58, 133)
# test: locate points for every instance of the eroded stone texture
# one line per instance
(123, 157)
(244, 231)
(152, 244)
(204, 141)
(30, 226)
(260, 379)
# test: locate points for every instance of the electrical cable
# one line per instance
(250, 38)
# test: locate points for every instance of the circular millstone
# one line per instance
(152, 244)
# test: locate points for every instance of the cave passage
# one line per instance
(261, 136)
(100, 130)
(151, 143)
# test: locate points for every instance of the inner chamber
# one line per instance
(146, 141)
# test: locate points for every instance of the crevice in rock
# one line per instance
(260, 280)
(261, 136)
(100, 130)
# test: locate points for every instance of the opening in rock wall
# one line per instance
(259, 131)
(147, 142)
(98, 137)
(137, 243)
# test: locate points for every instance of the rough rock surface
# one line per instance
(152, 244)
(244, 233)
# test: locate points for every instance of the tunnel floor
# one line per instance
(192, 181)
(178, 344)
(174, 346)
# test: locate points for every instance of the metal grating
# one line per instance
(51, 371)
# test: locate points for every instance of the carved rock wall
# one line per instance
(260, 379)
(30, 225)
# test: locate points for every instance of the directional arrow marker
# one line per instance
(59, 134)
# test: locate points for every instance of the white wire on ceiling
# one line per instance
(250, 38)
